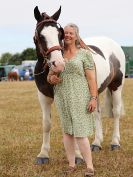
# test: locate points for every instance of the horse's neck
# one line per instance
(41, 80)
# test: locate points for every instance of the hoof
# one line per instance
(42, 160)
(78, 160)
(95, 148)
(115, 147)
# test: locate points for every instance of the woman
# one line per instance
(75, 96)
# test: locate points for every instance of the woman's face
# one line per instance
(70, 35)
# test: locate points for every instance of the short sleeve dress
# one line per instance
(72, 96)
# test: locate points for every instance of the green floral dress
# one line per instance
(72, 96)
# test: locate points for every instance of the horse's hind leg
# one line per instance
(45, 102)
(117, 110)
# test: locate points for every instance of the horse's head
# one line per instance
(48, 40)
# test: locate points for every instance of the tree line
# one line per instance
(17, 58)
(128, 52)
(30, 54)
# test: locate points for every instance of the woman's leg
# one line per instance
(69, 147)
(85, 150)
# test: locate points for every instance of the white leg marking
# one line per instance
(45, 103)
(117, 106)
(98, 131)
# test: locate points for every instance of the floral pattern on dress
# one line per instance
(72, 96)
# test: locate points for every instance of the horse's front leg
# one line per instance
(45, 102)
(96, 145)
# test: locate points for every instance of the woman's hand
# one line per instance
(92, 105)
(55, 79)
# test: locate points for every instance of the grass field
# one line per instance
(21, 137)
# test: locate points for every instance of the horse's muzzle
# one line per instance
(57, 66)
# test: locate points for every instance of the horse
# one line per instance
(109, 61)
(13, 76)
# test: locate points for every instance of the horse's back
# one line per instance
(107, 46)
(106, 53)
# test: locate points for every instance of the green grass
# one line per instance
(21, 137)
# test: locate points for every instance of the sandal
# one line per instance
(70, 170)
(89, 173)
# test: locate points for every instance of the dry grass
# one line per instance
(21, 137)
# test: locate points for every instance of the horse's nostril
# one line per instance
(49, 64)
(54, 63)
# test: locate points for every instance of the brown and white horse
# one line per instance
(13, 76)
(110, 68)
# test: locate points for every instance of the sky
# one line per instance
(111, 18)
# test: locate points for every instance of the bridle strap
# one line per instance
(57, 47)
(45, 21)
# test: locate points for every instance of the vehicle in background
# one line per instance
(4, 70)
(25, 72)
(29, 66)
(29, 63)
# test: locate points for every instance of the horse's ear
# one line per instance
(37, 14)
(56, 15)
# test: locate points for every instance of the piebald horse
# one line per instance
(110, 69)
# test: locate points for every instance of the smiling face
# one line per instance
(70, 35)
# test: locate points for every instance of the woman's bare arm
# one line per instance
(92, 83)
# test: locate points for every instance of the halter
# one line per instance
(42, 51)
(37, 38)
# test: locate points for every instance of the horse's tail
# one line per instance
(108, 111)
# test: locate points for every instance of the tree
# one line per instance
(15, 59)
(5, 58)
(28, 54)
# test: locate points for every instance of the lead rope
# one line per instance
(39, 73)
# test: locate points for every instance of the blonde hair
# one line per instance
(79, 42)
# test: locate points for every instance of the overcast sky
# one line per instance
(111, 18)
